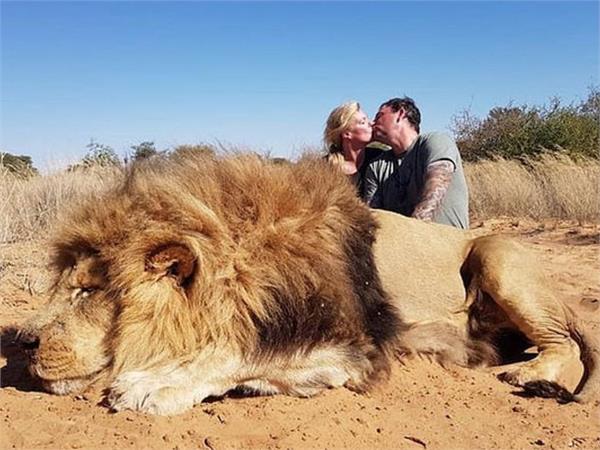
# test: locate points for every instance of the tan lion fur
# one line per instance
(461, 294)
(199, 274)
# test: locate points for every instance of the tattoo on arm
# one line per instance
(437, 181)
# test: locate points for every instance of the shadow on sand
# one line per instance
(14, 373)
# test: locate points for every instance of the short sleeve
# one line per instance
(439, 147)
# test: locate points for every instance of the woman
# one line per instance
(347, 132)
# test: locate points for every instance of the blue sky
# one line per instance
(265, 75)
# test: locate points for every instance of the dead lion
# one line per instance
(199, 274)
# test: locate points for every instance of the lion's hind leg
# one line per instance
(507, 273)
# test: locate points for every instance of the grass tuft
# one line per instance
(549, 187)
(28, 206)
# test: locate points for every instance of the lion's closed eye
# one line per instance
(81, 292)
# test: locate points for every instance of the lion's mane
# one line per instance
(264, 255)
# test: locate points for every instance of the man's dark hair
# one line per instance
(409, 106)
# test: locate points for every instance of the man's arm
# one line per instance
(437, 181)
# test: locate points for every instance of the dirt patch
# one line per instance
(422, 406)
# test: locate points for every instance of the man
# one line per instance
(422, 176)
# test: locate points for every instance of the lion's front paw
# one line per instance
(137, 392)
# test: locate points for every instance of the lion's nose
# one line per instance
(28, 341)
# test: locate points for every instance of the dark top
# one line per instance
(358, 178)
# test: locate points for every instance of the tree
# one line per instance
(591, 106)
(20, 165)
(278, 160)
(99, 155)
(518, 131)
(143, 150)
(185, 149)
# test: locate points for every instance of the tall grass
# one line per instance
(549, 187)
(552, 186)
(28, 206)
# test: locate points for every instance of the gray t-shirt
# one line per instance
(396, 183)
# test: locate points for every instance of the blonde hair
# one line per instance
(338, 121)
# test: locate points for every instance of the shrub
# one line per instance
(98, 155)
(143, 150)
(182, 150)
(18, 165)
(520, 131)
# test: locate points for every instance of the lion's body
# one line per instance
(198, 275)
(417, 275)
(461, 295)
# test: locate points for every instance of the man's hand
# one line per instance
(437, 181)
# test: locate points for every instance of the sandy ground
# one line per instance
(422, 406)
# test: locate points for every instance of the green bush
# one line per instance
(19, 165)
(520, 131)
(143, 150)
(98, 155)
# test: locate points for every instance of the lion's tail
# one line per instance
(589, 387)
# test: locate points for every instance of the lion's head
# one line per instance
(100, 317)
(68, 342)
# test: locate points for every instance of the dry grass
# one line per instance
(28, 206)
(553, 187)
(549, 188)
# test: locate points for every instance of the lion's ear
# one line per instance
(174, 260)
